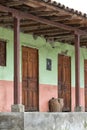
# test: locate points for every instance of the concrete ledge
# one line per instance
(12, 121)
(43, 121)
(55, 121)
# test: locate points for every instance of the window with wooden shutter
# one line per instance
(2, 53)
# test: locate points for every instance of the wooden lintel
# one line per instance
(23, 15)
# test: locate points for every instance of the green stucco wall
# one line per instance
(45, 51)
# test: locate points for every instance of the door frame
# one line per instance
(23, 46)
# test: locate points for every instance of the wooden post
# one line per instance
(16, 61)
(77, 69)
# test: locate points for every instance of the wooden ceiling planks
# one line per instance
(48, 19)
(14, 3)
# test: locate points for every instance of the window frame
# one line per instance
(3, 61)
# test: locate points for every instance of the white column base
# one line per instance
(17, 108)
(79, 109)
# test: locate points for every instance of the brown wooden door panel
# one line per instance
(64, 80)
(24, 99)
(85, 83)
(30, 78)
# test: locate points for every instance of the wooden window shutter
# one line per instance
(2, 53)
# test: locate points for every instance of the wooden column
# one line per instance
(77, 69)
(16, 61)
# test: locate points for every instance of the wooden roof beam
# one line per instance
(6, 24)
(42, 3)
(23, 15)
(47, 28)
(27, 22)
(14, 3)
(64, 39)
(61, 36)
(46, 13)
(60, 18)
(31, 3)
(51, 33)
(5, 18)
(38, 9)
(50, 6)
(31, 25)
(33, 30)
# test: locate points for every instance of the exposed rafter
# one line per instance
(22, 15)
(14, 3)
(44, 18)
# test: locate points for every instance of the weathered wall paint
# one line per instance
(45, 51)
(47, 78)
(7, 95)
(82, 100)
(46, 92)
(6, 73)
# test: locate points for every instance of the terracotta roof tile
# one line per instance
(59, 5)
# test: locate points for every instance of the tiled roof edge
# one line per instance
(61, 6)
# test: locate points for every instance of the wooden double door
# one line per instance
(30, 78)
(64, 81)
